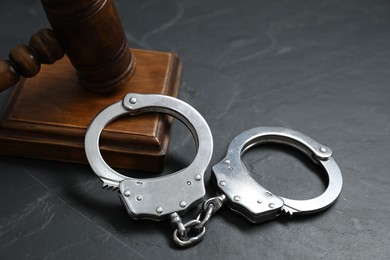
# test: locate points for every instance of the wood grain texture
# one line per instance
(47, 46)
(47, 115)
(25, 61)
(8, 75)
(94, 40)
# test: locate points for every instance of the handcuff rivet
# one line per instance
(237, 198)
(271, 205)
(259, 201)
(230, 168)
(222, 183)
(323, 150)
(268, 193)
(183, 204)
(227, 161)
(133, 100)
(160, 192)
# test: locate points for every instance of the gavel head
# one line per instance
(94, 41)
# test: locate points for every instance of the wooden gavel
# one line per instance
(89, 32)
(47, 115)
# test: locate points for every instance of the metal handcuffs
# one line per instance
(154, 198)
(172, 195)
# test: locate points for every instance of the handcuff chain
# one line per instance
(183, 232)
(209, 208)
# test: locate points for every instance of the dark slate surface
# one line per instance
(319, 67)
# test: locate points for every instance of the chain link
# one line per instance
(209, 208)
(193, 231)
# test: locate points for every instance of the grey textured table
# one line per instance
(319, 67)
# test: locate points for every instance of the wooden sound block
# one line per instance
(47, 116)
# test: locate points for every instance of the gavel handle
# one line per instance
(25, 61)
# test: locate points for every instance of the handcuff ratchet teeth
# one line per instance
(247, 197)
(154, 198)
(172, 195)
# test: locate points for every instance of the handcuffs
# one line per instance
(171, 196)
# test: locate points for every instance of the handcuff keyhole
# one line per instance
(285, 171)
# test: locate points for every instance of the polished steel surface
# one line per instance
(320, 67)
(154, 198)
(250, 199)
